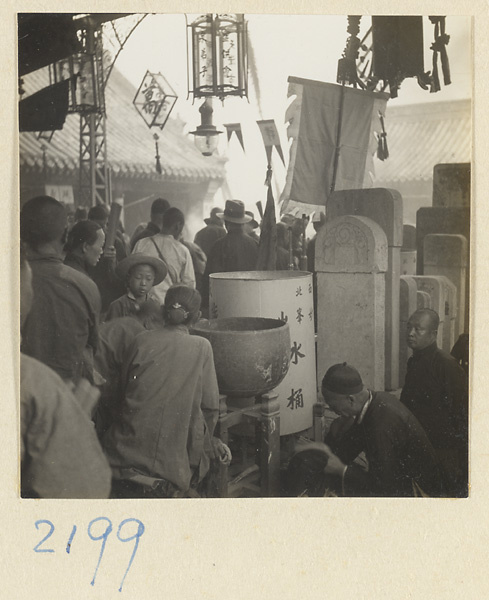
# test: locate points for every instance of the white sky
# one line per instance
(298, 45)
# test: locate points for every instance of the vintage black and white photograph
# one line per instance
(244, 255)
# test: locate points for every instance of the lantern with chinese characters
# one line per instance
(86, 93)
(219, 56)
(155, 99)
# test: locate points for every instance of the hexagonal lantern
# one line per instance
(219, 56)
(155, 99)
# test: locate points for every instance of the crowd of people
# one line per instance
(119, 400)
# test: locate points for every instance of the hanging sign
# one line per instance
(271, 138)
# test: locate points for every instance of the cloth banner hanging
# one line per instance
(270, 138)
(46, 109)
(313, 119)
(235, 128)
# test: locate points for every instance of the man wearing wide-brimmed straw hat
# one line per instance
(236, 251)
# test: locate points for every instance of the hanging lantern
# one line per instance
(219, 56)
(81, 70)
(155, 100)
(206, 133)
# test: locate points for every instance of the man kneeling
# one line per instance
(401, 460)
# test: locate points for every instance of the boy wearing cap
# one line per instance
(140, 272)
(401, 459)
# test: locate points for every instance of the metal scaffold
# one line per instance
(114, 30)
(94, 179)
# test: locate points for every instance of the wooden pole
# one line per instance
(338, 138)
(114, 216)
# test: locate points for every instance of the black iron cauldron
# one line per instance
(251, 354)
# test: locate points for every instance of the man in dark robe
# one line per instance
(236, 251)
(435, 391)
(401, 460)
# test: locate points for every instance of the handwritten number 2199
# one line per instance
(95, 534)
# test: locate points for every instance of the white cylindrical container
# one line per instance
(285, 295)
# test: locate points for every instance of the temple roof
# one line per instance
(130, 143)
(419, 136)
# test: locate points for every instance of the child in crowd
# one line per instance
(140, 272)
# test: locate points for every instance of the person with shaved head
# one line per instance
(435, 391)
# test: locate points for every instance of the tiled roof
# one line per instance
(419, 136)
(130, 143)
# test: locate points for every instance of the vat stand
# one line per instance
(266, 414)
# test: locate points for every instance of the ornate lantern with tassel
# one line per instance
(154, 101)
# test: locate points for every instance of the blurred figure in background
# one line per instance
(251, 227)
(236, 251)
(158, 209)
(283, 258)
(81, 214)
(213, 231)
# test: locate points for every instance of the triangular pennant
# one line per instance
(235, 128)
(270, 137)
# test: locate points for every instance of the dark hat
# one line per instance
(342, 379)
(253, 222)
(139, 258)
(215, 212)
(235, 212)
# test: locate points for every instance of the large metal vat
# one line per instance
(284, 295)
(251, 354)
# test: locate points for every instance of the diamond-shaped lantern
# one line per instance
(155, 99)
